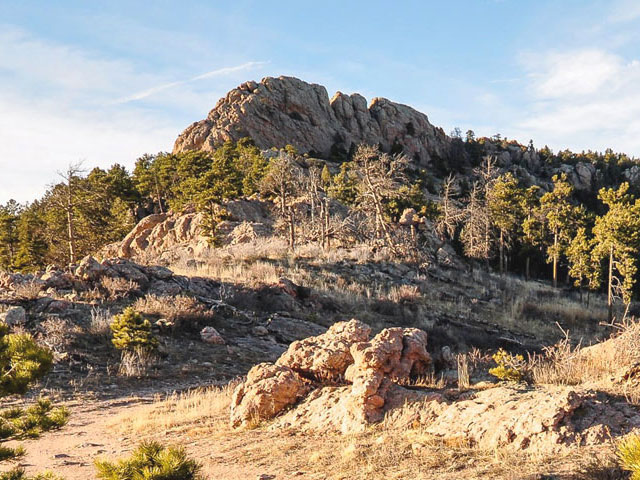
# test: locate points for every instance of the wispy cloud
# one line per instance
(583, 99)
(213, 73)
(624, 11)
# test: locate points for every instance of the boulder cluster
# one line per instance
(369, 371)
(54, 290)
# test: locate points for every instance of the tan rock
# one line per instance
(328, 355)
(268, 390)
(541, 420)
(286, 110)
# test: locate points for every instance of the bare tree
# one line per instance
(450, 214)
(476, 232)
(284, 179)
(69, 204)
(380, 176)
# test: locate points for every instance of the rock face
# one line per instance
(327, 355)
(539, 420)
(172, 235)
(343, 350)
(285, 110)
(267, 391)
(14, 316)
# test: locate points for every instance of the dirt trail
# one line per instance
(90, 433)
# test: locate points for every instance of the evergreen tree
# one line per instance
(504, 204)
(9, 217)
(617, 239)
(558, 219)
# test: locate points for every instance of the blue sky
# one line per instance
(105, 82)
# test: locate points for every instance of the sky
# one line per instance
(105, 82)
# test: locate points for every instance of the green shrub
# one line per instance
(18, 474)
(151, 461)
(509, 367)
(131, 331)
(10, 453)
(19, 423)
(22, 361)
(628, 453)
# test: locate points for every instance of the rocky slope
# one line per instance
(285, 110)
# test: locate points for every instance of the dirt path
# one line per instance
(90, 433)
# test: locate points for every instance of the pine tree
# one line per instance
(9, 217)
(504, 205)
(617, 239)
(559, 219)
(581, 266)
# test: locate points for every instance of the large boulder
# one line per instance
(286, 110)
(268, 390)
(374, 369)
(14, 316)
(326, 356)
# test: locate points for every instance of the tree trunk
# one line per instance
(155, 177)
(70, 227)
(501, 252)
(526, 267)
(610, 288)
(555, 260)
(292, 229)
(326, 222)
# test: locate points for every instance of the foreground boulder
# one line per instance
(326, 356)
(343, 352)
(268, 390)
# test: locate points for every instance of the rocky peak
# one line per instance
(286, 110)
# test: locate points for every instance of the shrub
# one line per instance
(151, 461)
(132, 335)
(132, 331)
(628, 453)
(22, 361)
(22, 423)
(509, 367)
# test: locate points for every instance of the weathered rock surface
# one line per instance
(541, 420)
(286, 110)
(211, 335)
(268, 390)
(327, 355)
(371, 367)
(173, 235)
(14, 316)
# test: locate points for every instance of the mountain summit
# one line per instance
(286, 110)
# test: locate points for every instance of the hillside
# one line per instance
(314, 288)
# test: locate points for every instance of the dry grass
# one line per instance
(178, 309)
(118, 286)
(564, 364)
(137, 363)
(99, 323)
(204, 409)
(28, 290)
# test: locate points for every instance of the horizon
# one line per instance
(107, 85)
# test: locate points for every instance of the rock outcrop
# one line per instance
(169, 236)
(344, 350)
(541, 420)
(286, 110)
(268, 390)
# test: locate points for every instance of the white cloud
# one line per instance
(214, 73)
(57, 106)
(583, 99)
(624, 11)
